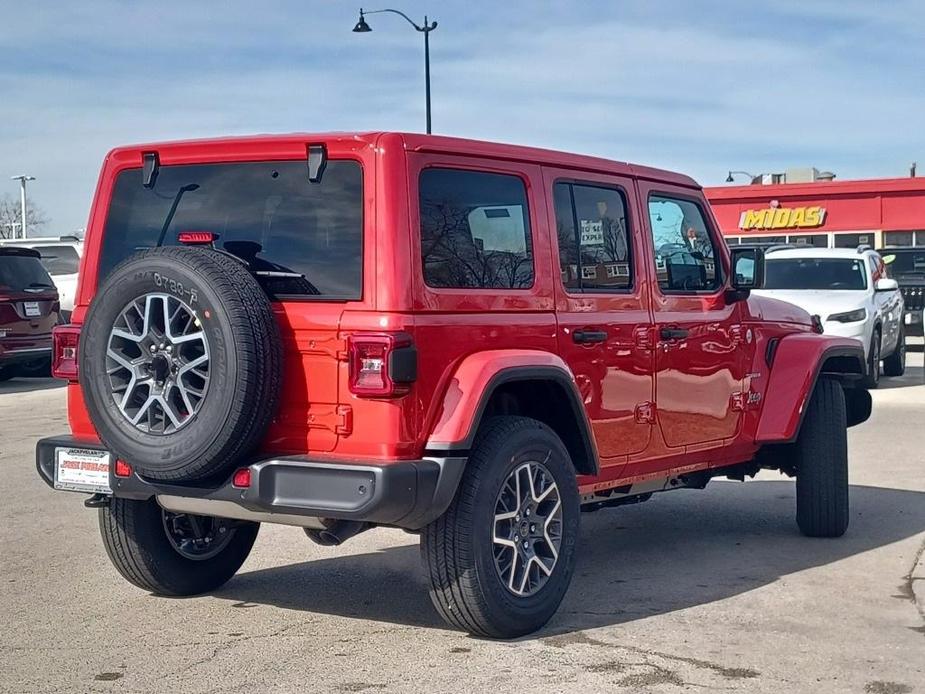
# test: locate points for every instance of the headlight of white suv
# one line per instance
(849, 316)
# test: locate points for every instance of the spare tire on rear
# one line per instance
(180, 360)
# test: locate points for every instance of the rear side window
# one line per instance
(475, 230)
(685, 253)
(594, 246)
(18, 272)
(59, 260)
(302, 239)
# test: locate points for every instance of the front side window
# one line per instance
(594, 242)
(300, 238)
(815, 273)
(685, 255)
(475, 230)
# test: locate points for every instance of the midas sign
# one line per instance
(782, 218)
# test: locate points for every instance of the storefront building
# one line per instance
(828, 214)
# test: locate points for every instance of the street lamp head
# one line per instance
(22, 177)
(729, 178)
(362, 27)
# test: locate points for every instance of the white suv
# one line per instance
(850, 292)
(61, 258)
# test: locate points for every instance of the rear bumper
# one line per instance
(292, 490)
(19, 350)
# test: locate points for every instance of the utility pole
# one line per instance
(22, 178)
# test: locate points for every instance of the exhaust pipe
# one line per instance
(336, 532)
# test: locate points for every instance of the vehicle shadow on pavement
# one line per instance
(29, 385)
(676, 551)
(914, 376)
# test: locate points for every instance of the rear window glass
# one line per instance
(59, 260)
(21, 272)
(301, 239)
(475, 230)
(815, 273)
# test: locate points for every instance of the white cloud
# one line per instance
(700, 87)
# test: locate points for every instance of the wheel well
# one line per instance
(551, 403)
(842, 364)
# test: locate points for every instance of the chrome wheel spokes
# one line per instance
(157, 360)
(527, 532)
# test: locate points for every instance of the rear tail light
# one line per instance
(64, 351)
(122, 468)
(382, 365)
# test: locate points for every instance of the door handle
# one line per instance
(587, 337)
(673, 333)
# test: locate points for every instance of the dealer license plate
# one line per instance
(82, 470)
(31, 308)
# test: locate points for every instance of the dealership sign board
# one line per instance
(776, 217)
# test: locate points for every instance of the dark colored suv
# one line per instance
(28, 311)
(907, 267)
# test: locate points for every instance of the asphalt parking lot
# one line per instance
(695, 590)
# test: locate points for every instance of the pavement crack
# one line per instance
(911, 579)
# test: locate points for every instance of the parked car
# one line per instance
(28, 312)
(907, 267)
(61, 258)
(850, 292)
(467, 340)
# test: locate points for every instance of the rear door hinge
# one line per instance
(344, 425)
(645, 413)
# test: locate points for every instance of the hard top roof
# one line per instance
(427, 143)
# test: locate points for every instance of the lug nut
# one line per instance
(527, 512)
(532, 528)
(526, 545)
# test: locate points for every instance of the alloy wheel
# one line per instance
(527, 532)
(157, 360)
(197, 537)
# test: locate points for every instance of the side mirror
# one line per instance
(747, 271)
(885, 284)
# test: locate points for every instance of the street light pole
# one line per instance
(22, 178)
(362, 27)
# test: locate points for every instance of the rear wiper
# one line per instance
(173, 210)
(38, 286)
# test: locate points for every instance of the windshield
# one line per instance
(59, 260)
(19, 272)
(300, 238)
(901, 264)
(815, 273)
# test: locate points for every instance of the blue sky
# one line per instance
(698, 86)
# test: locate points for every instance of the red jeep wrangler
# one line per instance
(472, 341)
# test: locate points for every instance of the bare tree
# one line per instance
(11, 216)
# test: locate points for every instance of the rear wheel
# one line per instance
(501, 558)
(173, 554)
(872, 379)
(895, 364)
(821, 452)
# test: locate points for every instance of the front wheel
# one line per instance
(501, 558)
(872, 379)
(173, 554)
(822, 463)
